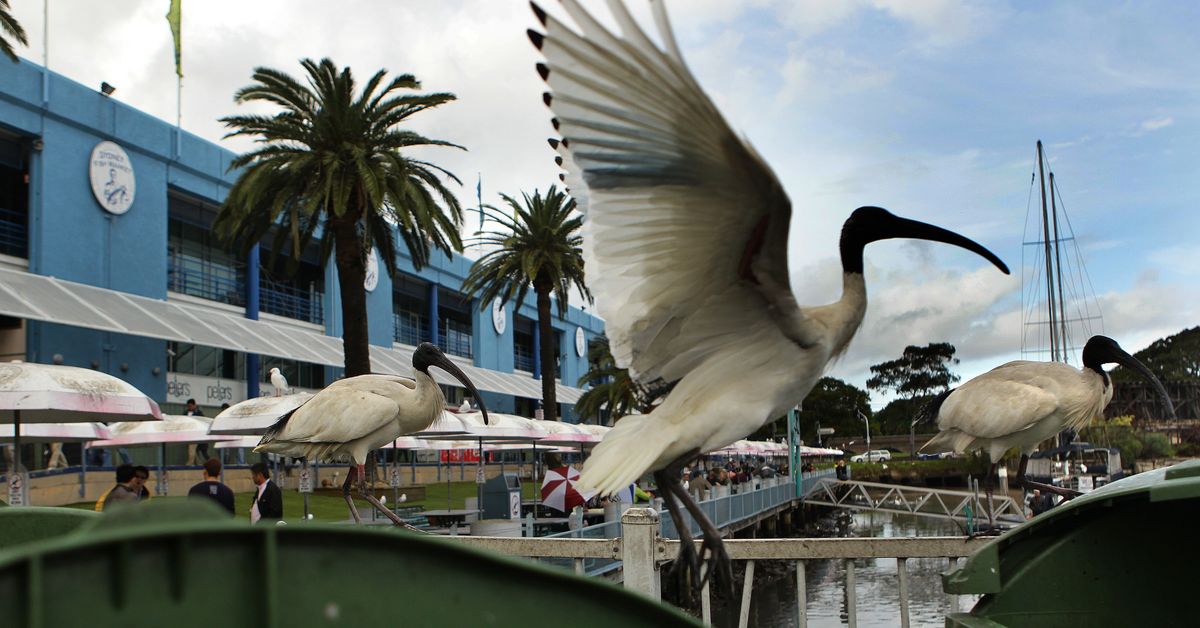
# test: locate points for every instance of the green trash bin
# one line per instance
(1122, 555)
(33, 523)
(184, 564)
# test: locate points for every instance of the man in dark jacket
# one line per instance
(268, 501)
(212, 487)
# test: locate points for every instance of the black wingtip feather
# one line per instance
(547, 98)
(535, 37)
(562, 177)
(566, 144)
(554, 123)
(278, 426)
(541, 15)
(558, 160)
(553, 143)
(543, 71)
(927, 415)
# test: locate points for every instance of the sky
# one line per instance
(930, 108)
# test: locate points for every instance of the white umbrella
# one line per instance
(51, 393)
(254, 416)
(172, 429)
(56, 432)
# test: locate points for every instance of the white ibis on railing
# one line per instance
(685, 242)
(354, 416)
(1022, 403)
(279, 382)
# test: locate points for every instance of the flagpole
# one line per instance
(479, 199)
(178, 115)
(45, 51)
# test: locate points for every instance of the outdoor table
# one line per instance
(445, 518)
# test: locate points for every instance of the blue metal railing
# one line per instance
(523, 357)
(455, 338)
(284, 300)
(408, 327)
(14, 233)
(205, 279)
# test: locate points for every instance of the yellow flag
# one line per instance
(174, 18)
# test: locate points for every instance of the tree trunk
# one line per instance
(546, 331)
(351, 274)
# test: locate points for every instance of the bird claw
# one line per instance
(719, 563)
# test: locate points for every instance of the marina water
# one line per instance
(877, 585)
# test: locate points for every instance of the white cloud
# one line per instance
(1154, 124)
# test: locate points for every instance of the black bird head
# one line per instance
(427, 355)
(871, 224)
(1101, 350)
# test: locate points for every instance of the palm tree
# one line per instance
(611, 389)
(329, 166)
(10, 27)
(538, 245)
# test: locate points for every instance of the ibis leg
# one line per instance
(369, 495)
(718, 561)
(346, 493)
(1066, 493)
(686, 567)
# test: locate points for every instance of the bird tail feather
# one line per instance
(953, 440)
(628, 450)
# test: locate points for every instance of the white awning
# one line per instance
(41, 298)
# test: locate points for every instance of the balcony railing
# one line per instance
(284, 300)
(205, 279)
(14, 233)
(408, 328)
(455, 338)
(523, 359)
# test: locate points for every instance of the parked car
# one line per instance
(875, 455)
(941, 455)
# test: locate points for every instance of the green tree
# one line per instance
(831, 403)
(537, 245)
(919, 372)
(10, 27)
(330, 166)
(1172, 359)
(896, 417)
(611, 392)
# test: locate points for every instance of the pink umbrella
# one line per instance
(559, 491)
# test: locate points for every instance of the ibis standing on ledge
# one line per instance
(685, 242)
(1023, 403)
(352, 417)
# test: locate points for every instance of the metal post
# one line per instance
(639, 543)
(902, 572)
(851, 593)
(706, 603)
(747, 591)
(801, 596)
(953, 598)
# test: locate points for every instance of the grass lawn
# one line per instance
(333, 508)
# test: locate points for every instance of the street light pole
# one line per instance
(868, 424)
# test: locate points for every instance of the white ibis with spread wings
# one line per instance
(685, 244)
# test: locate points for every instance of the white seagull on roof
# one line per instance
(686, 250)
(279, 382)
(1020, 404)
(352, 417)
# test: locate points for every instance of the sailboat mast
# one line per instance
(1062, 308)
(1049, 263)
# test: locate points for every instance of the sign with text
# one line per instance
(305, 485)
(111, 174)
(207, 391)
(394, 477)
(16, 489)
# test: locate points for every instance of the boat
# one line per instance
(1079, 466)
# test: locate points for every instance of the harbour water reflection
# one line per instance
(877, 585)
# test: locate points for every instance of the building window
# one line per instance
(190, 359)
(14, 197)
(523, 331)
(298, 374)
(455, 324)
(409, 310)
(300, 296)
(197, 264)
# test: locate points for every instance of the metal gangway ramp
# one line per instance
(915, 500)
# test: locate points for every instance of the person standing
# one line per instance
(127, 489)
(268, 501)
(197, 453)
(212, 488)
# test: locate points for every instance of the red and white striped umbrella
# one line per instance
(559, 491)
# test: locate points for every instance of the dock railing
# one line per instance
(640, 549)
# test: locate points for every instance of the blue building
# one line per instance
(108, 261)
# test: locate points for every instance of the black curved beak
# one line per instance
(905, 228)
(444, 363)
(1126, 360)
